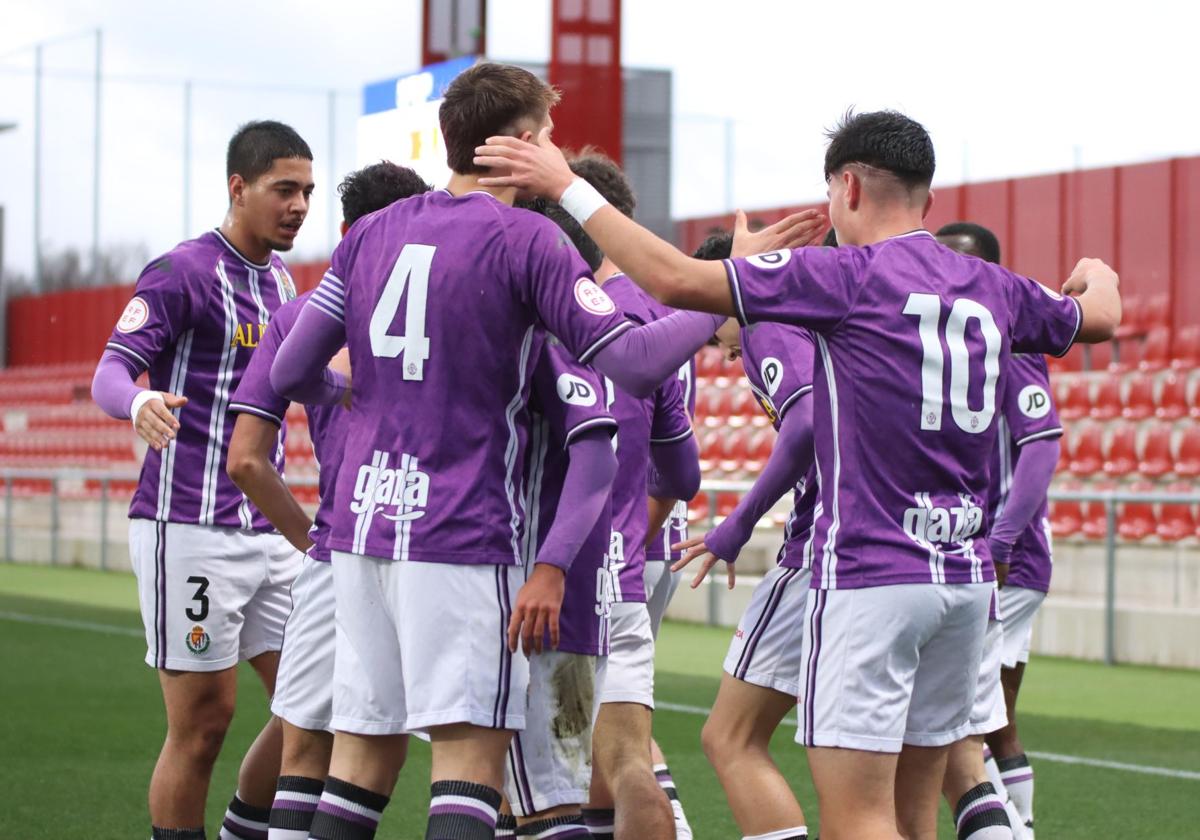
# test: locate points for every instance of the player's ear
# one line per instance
(344, 227)
(527, 136)
(237, 188)
(853, 191)
(928, 204)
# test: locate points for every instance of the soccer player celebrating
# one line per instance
(903, 327)
(1023, 467)
(762, 669)
(445, 302)
(212, 574)
(303, 699)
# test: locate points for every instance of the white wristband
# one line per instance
(581, 200)
(140, 400)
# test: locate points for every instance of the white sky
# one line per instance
(1005, 89)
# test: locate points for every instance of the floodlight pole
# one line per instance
(187, 159)
(330, 188)
(37, 167)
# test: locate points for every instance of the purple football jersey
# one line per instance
(778, 361)
(675, 530)
(567, 399)
(1027, 413)
(451, 299)
(326, 423)
(661, 418)
(197, 315)
(911, 339)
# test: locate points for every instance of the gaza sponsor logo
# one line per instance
(404, 489)
(929, 524)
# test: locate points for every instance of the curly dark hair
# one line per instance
(984, 243)
(602, 172)
(718, 246)
(375, 187)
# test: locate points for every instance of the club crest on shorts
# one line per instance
(198, 639)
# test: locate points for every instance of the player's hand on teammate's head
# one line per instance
(694, 548)
(1086, 272)
(155, 423)
(536, 612)
(795, 231)
(538, 168)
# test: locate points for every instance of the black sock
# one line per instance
(157, 833)
(980, 815)
(347, 812)
(506, 827)
(558, 828)
(461, 810)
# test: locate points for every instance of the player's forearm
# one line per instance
(676, 469)
(591, 468)
(249, 466)
(789, 461)
(659, 267)
(114, 385)
(1030, 483)
(1101, 311)
(659, 509)
(638, 360)
(300, 371)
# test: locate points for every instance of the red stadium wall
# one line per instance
(1144, 219)
(73, 326)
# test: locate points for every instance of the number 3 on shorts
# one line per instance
(201, 613)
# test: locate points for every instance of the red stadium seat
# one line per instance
(743, 407)
(1157, 312)
(1137, 520)
(1086, 458)
(698, 508)
(1120, 452)
(733, 451)
(1133, 310)
(1177, 522)
(1186, 352)
(1106, 401)
(708, 363)
(1070, 363)
(1074, 400)
(1156, 460)
(1138, 402)
(726, 502)
(1187, 458)
(1155, 353)
(1066, 519)
(1171, 400)
(1095, 519)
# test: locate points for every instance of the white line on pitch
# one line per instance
(1043, 756)
(71, 624)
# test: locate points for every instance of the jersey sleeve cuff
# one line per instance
(605, 340)
(1075, 334)
(735, 292)
(258, 411)
(675, 439)
(1056, 432)
(128, 353)
(586, 425)
(791, 400)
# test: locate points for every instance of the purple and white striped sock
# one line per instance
(993, 772)
(347, 812)
(556, 828)
(600, 822)
(1017, 776)
(683, 831)
(980, 815)
(461, 810)
(296, 800)
(243, 821)
(506, 827)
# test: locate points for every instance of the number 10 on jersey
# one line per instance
(411, 273)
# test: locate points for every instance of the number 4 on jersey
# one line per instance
(411, 273)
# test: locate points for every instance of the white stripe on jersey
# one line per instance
(362, 525)
(166, 466)
(539, 445)
(245, 515)
(216, 420)
(1005, 452)
(330, 297)
(510, 453)
(830, 558)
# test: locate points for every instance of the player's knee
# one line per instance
(715, 741)
(202, 735)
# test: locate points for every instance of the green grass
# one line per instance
(83, 723)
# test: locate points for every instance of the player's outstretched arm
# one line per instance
(657, 266)
(638, 360)
(790, 460)
(591, 468)
(300, 371)
(250, 465)
(1097, 288)
(1030, 483)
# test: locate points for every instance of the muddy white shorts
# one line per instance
(550, 762)
(1018, 608)
(628, 673)
(210, 596)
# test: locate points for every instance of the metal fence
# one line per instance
(60, 478)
